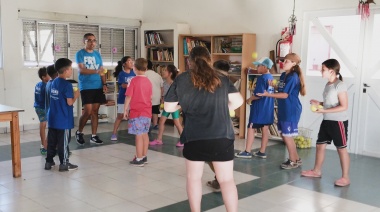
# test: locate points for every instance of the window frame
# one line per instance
(37, 62)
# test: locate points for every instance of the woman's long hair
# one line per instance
(296, 59)
(119, 67)
(202, 74)
(333, 65)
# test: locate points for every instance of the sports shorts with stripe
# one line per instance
(335, 131)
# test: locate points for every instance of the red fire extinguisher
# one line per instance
(283, 47)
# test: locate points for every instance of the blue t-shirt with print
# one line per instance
(289, 109)
(123, 78)
(60, 114)
(91, 60)
(39, 95)
(262, 110)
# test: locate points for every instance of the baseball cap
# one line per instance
(264, 61)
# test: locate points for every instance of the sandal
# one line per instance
(310, 173)
(342, 182)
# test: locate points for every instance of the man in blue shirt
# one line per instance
(92, 85)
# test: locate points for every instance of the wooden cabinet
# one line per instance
(236, 48)
(159, 43)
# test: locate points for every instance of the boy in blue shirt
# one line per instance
(39, 105)
(261, 112)
(52, 74)
(60, 116)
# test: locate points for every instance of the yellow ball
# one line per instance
(313, 108)
(274, 82)
(320, 107)
(232, 113)
(105, 71)
(254, 55)
(75, 89)
(161, 106)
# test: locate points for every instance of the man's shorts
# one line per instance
(287, 129)
(93, 96)
(175, 115)
(156, 109)
(139, 125)
(333, 131)
(41, 113)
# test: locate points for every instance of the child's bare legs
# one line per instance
(250, 138)
(264, 138)
(344, 162)
(154, 119)
(145, 142)
(178, 125)
(319, 158)
(194, 172)
(139, 142)
(118, 120)
(161, 127)
(224, 174)
(291, 146)
(43, 135)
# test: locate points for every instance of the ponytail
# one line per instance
(334, 65)
(119, 67)
(298, 71)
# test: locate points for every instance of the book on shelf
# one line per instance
(191, 43)
(153, 38)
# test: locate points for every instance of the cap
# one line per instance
(294, 58)
(264, 61)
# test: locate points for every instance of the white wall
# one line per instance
(18, 87)
(265, 18)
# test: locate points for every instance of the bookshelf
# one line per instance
(236, 48)
(159, 43)
(274, 134)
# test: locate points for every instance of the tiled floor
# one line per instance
(106, 182)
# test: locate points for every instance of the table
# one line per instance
(8, 113)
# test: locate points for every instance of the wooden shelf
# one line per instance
(162, 61)
(159, 46)
(228, 54)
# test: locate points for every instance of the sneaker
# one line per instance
(243, 154)
(299, 162)
(214, 184)
(134, 162)
(179, 144)
(43, 151)
(48, 165)
(155, 127)
(79, 137)
(145, 159)
(113, 137)
(156, 142)
(260, 154)
(289, 164)
(67, 167)
(96, 140)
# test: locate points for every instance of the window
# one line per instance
(45, 42)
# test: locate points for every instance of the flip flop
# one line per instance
(310, 173)
(342, 182)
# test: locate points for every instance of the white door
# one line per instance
(338, 35)
(369, 113)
